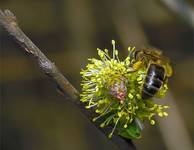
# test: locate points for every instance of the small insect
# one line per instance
(121, 91)
(158, 70)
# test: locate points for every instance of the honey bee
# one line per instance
(117, 90)
(158, 70)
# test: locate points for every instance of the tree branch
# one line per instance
(9, 22)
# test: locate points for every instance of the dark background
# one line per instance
(35, 117)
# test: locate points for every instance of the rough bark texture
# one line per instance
(9, 22)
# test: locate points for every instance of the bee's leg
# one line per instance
(168, 70)
(135, 66)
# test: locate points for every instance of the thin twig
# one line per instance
(9, 23)
(181, 9)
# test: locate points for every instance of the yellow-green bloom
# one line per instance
(113, 89)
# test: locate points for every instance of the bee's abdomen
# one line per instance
(153, 81)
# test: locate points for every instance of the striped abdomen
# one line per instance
(153, 81)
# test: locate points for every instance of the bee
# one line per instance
(157, 73)
(117, 89)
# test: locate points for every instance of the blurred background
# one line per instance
(35, 116)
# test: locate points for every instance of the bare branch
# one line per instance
(9, 22)
(182, 9)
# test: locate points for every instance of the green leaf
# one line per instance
(131, 132)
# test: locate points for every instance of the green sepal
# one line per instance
(131, 132)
